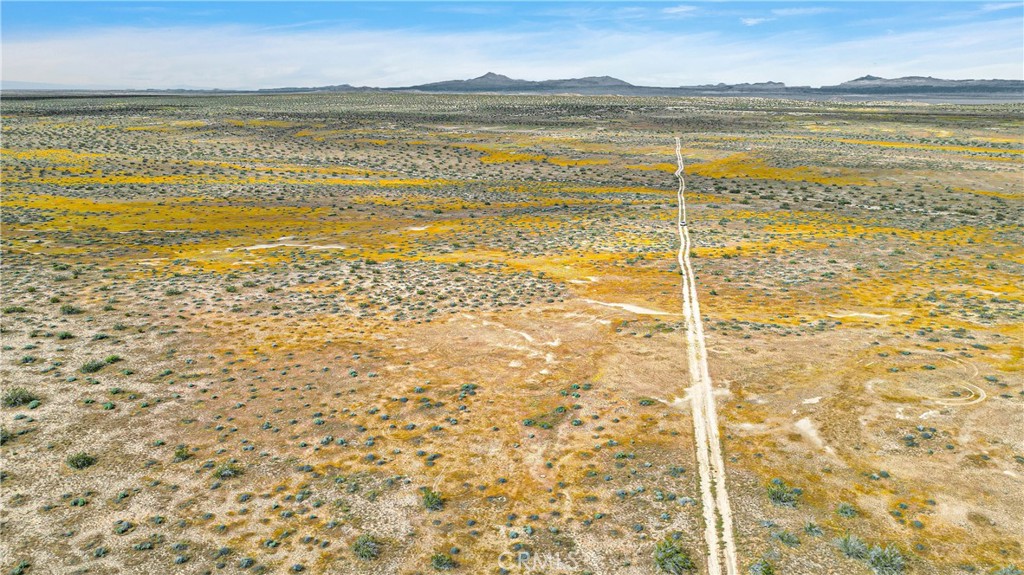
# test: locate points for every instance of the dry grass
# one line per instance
(316, 315)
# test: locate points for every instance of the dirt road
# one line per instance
(718, 531)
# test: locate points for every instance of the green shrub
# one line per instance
(671, 558)
(442, 562)
(92, 366)
(846, 510)
(80, 460)
(68, 309)
(781, 495)
(18, 396)
(366, 547)
(886, 561)
(786, 538)
(432, 500)
(182, 453)
(852, 546)
(227, 471)
(762, 567)
(14, 309)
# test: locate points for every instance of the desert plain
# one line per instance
(409, 333)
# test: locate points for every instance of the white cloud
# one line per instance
(582, 13)
(240, 57)
(807, 11)
(973, 11)
(472, 9)
(755, 21)
(995, 7)
(679, 10)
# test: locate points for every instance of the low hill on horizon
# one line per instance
(606, 85)
(907, 87)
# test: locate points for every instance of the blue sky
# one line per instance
(271, 44)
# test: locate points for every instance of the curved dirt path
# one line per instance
(977, 395)
(718, 531)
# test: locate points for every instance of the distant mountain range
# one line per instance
(909, 86)
(491, 82)
(924, 84)
(497, 83)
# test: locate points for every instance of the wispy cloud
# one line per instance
(679, 10)
(472, 9)
(995, 7)
(139, 9)
(583, 14)
(804, 11)
(974, 11)
(249, 57)
(755, 21)
(295, 25)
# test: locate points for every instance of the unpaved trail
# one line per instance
(718, 531)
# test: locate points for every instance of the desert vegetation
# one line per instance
(401, 333)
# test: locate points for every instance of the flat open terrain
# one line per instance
(394, 333)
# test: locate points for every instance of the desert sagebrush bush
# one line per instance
(852, 546)
(786, 538)
(92, 366)
(366, 547)
(886, 560)
(81, 460)
(670, 557)
(846, 510)
(442, 562)
(432, 500)
(782, 495)
(182, 453)
(18, 396)
(227, 471)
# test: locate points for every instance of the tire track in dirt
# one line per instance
(718, 530)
